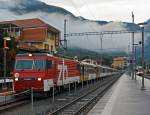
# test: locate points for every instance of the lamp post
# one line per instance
(101, 47)
(5, 48)
(142, 42)
(129, 60)
(135, 46)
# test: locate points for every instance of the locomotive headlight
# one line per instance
(30, 54)
(16, 79)
(39, 79)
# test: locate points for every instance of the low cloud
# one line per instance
(75, 25)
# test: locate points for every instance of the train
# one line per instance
(43, 71)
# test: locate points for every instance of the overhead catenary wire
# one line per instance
(90, 25)
(90, 11)
(88, 41)
(92, 14)
(103, 32)
(74, 5)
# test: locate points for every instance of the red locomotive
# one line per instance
(42, 71)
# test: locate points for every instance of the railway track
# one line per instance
(81, 104)
(64, 103)
(12, 104)
(147, 76)
(7, 104)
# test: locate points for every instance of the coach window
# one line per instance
(86, 68)
(83, 69)
(104, 70)
(95, 69)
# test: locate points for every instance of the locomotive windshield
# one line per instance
(30, 64)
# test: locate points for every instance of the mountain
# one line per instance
(22, 7)
(83, 53)
(147, 42)
(26, 6)
(55, 16)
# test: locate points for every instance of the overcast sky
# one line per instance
(109, 10)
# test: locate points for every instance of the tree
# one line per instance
(2, 35)
(11, 52)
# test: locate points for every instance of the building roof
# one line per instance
(34, 30)
(29, 23)
(119, 59)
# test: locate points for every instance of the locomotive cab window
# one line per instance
(48, 64)
(23, 64)
(30, 64)
(39, 64)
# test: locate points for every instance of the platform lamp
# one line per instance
(135, 62)
(5, 47)
(142, 43)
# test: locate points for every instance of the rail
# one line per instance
(9, 103)
(75, 110)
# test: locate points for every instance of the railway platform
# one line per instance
(125, 98)
(6, 96)
(6, 93)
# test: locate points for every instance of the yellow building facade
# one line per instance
(119, 63)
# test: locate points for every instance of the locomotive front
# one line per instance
(31, 71)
